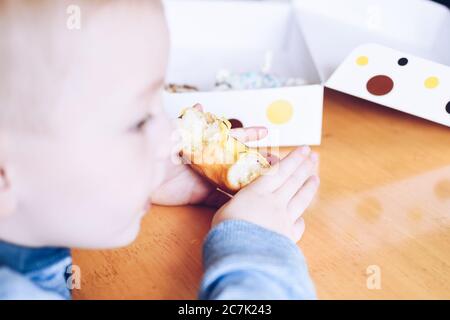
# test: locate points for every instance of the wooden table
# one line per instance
(383, 205)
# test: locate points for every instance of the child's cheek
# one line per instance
(159, 146)
(156, 166)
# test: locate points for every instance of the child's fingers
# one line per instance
(298, 229)
(249, 134)
(298, 178)
(282, 170)
(302, 199)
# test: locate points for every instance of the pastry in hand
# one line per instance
(209, 148)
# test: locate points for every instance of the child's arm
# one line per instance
(245, 261)
(250, 253)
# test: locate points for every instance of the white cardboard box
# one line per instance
(236, 35)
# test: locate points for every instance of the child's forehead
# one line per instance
(111, 67)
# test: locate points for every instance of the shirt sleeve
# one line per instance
(16, 286)
(243, 261)
(39, 274)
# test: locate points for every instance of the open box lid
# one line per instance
(397, 80)
(390, 73)
(332, 29)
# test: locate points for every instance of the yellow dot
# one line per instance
(279, 112)
(362, 61)
(431, 82)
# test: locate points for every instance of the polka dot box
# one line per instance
(396, 79)
(208, 36)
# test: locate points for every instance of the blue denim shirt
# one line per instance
(241, 261)
(29, 273)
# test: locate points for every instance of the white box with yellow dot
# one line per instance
(310, 41)
(239, 36)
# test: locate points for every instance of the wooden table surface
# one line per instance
(384, 201)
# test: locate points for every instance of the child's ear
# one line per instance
(8, 199)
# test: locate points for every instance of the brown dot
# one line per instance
(380, 85)
(235, 123)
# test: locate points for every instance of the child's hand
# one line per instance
(182, 186)
(277, 200)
